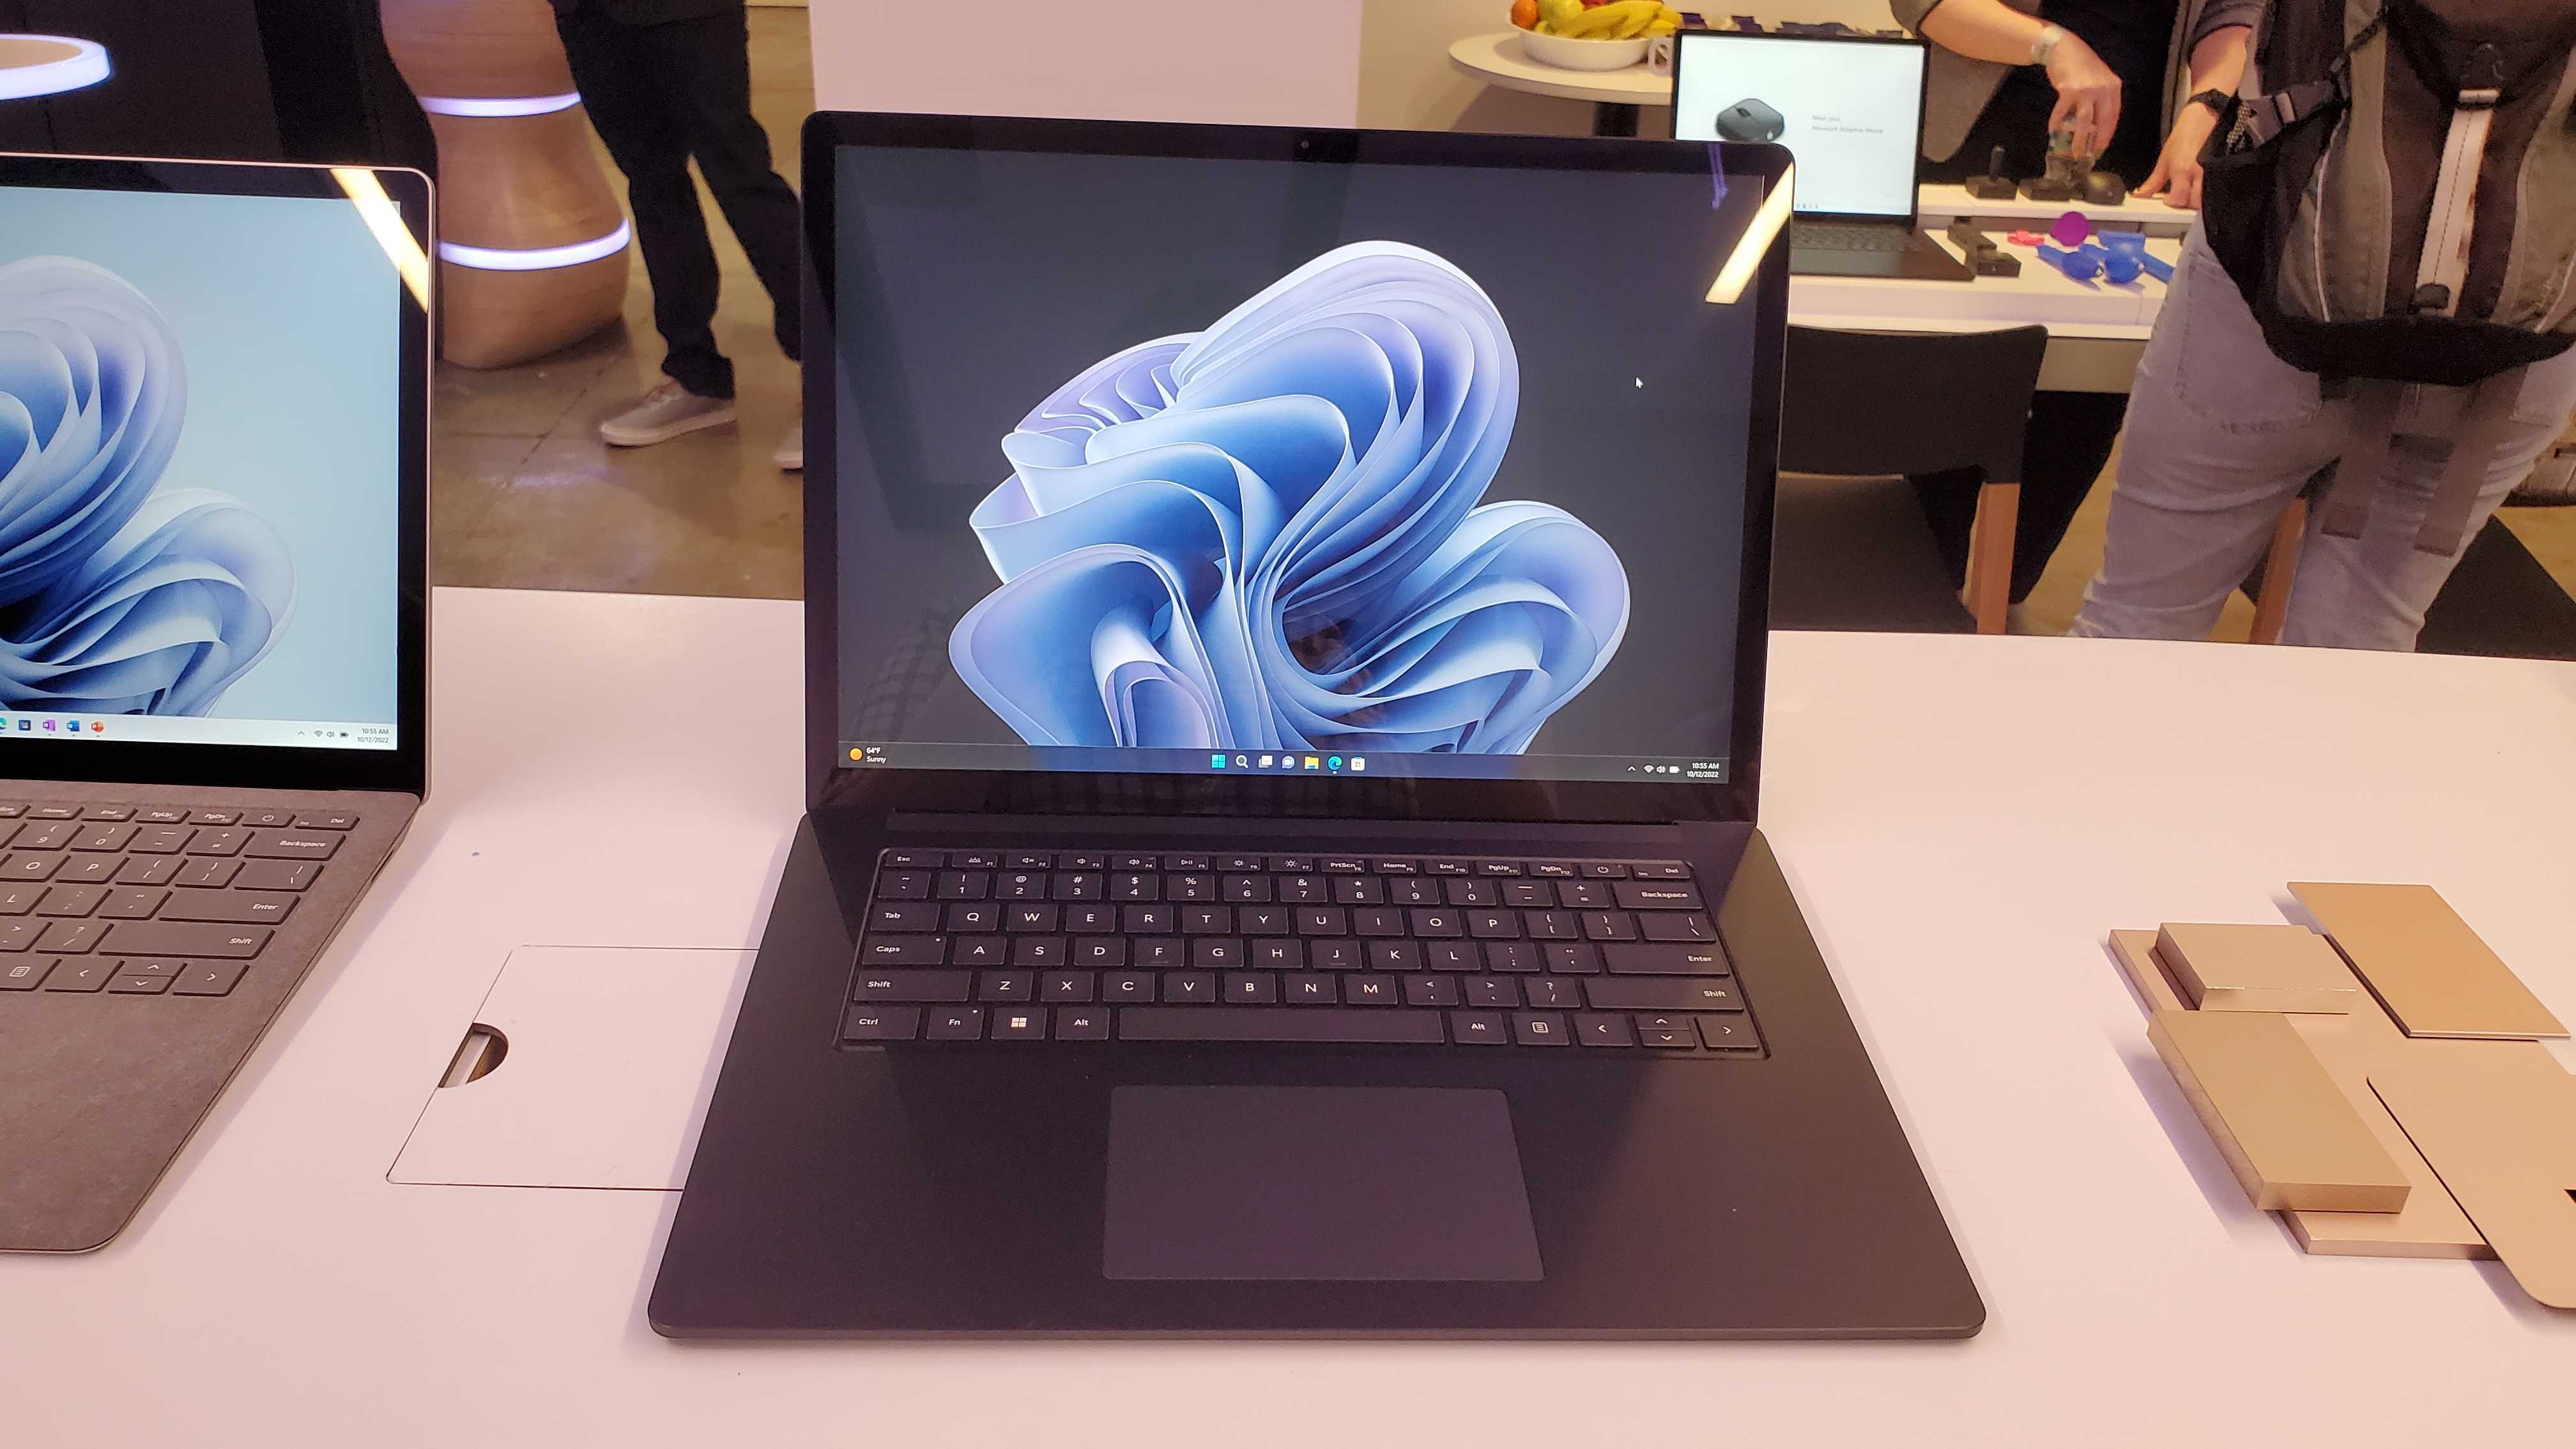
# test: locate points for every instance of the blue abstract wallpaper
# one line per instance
(1274, 533)
(117, 594)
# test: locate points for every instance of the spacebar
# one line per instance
(1275, 1023)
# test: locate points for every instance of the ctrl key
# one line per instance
(880, 1023)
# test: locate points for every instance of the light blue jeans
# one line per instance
(2220, 437)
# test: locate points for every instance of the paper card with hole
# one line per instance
(597, 1074)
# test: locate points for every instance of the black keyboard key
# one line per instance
(1666, 1036)
(1133, 886)
(1413, 891)
(1081, 860)
(1027, 1025)
(1303, 890)
(1604, 870)
(903, 951)
(913, 859)
(1067, 986)
(1728, 1034)
(1371, 991)
(1029, 860)
(210, 874)
(1185, 862)
(1334, 955)
(1323, 921)
(1251, 988)
(1276, 955)
(1395, 955)
(1496, 991)
(880, 1023)
(1541, 1028)
(1388, 922)
(1090, 920)
(1498, 867)
(1359, 890)
(1479, 1028)
(1471, 892)
(1687, 926)
(1658, 895)
(1434, 924)
(1029, 918)
(913, 986)
(980, 951)
(1161, 953)
(1190, 987)
(1552, 925)
(1529, 894)
(1311, 990)
(1554, 869)
(975, 859)
(1395, 865)
(1216, 952)
(1037, 951)
(1584, 895)
(1144, 920)
(1554, 991)
(970, 917)
(1603, 1029)
(903, 885)
(1099, 953)
(1082, 1023)
(1431, 991)
(1006, 986)
(325, 820)
(1244, 889)
(1659, 870)
(1276, 1023)
(1343, 865)
(1238, 864)
(1134, 862)
(1458, 956)
(1020, 885)
(1292, 864)
(1664, 993)
(908, 918)
(1513, 956)
(1449, 865)
(1262, 920)
(955, 1023)
(1573, 960)
(1609, 926)
(1126, 986)
(1207, 920)
(963, 885)
(1666, 960)
(1187, 888)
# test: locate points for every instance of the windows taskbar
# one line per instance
(1305, 764)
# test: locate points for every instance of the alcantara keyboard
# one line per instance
(1846, 237)
(1468, 951)
(137, 900)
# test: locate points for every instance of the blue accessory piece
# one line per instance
(1272, 534)
(115, 596)
(2082, 264)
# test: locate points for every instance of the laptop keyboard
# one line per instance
(1466, 953)
(1845, 237)
(133, 900)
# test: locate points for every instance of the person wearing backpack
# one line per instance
(2376, 303)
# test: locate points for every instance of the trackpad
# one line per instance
(1369, 1183)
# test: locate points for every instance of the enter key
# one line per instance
(256, 907)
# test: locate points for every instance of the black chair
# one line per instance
(1862, 410)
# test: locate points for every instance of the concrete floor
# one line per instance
(525, 495)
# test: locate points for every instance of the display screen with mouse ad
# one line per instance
(1850, 112)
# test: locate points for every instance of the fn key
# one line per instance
(881, 1023)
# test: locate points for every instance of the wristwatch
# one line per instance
(2046, 46)
(2213, 98)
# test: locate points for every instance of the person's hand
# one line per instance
(2177, 173)
(2088, 95)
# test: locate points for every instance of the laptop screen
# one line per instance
(1207, 464)
(1850, 111)
(200, 417)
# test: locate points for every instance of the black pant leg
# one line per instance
(709, 64)
(2070, 438)
(626, 95)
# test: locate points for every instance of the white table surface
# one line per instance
(1497, 60)
(1962, 817)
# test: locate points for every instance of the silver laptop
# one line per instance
(1850, 110)
(213, 634)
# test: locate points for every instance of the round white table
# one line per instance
(43, 65)
(1616, 95)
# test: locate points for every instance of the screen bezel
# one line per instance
(404, 768)
(1922, 91)
(1026, 792)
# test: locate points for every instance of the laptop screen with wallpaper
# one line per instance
(200, 478)
(1216, 464)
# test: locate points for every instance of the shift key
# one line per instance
(178, 938)
(252, 907)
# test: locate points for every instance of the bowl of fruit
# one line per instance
(1591, 34)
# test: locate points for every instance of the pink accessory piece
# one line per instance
(2071, 229)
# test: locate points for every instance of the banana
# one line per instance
(1635, 25)
(1611, 22)
(1591, 24)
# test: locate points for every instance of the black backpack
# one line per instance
(2397, 202)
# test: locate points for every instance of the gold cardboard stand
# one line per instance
(2381, 1086)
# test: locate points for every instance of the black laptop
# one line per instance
(1850, 109)
(1285, 629)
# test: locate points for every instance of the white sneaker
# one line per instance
(663, 414)
(789, 455)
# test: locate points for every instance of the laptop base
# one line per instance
(1921, 260)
